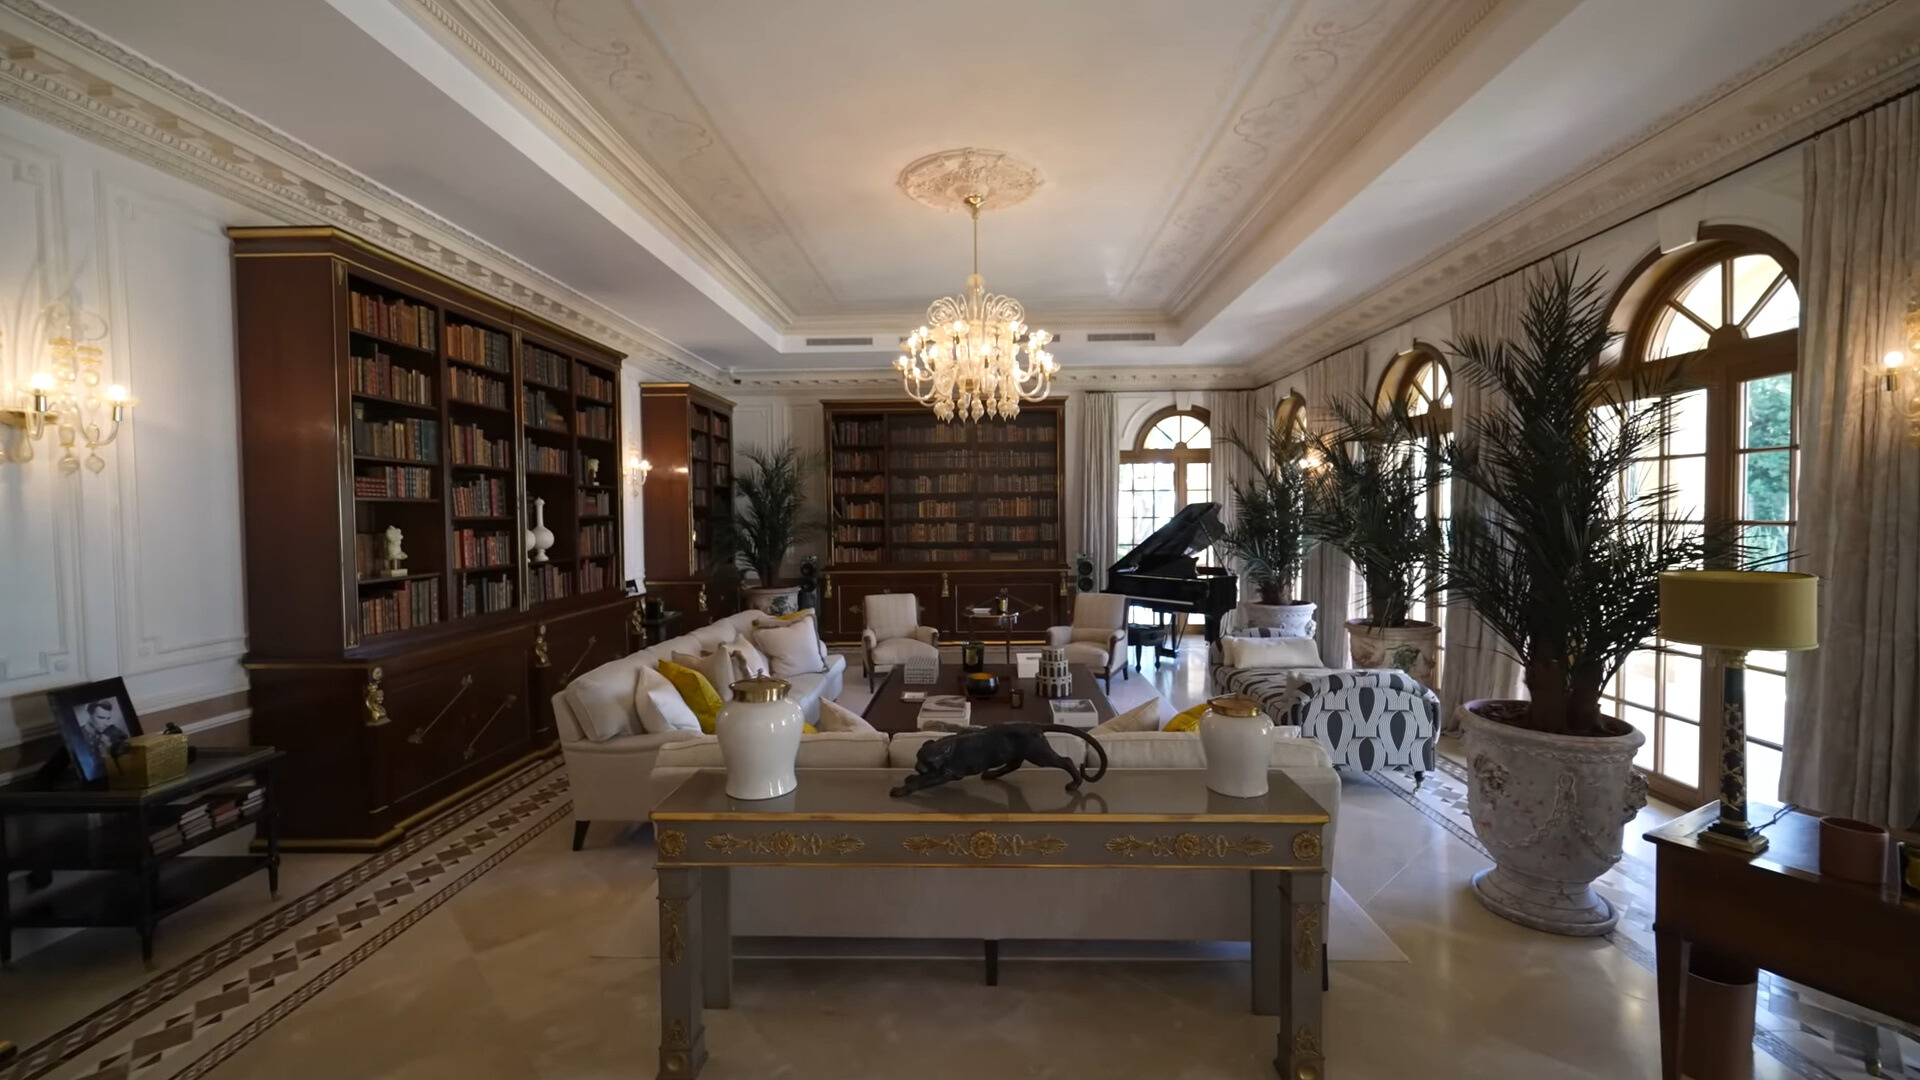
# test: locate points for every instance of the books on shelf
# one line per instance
(847, 432)
(416, 603)
(596, 540)
(546, 583)
(483, 595)
(945, 709)
(594, 422)
(481, 551)
(953, 532)
(544, 458)
(483, 496)
(476, 345)
(859, 460)
(595, 576)
(475, 388)
(543, 410)
(404, 440)
(399, 320)
(968, 483)
(392, 482)
(380, 376)
(591, 384)
(596, 503)
(471, 446)
(544, 365)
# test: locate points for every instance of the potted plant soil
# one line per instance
(770, 520)
(1268, 543)
(1565, 569)
(1370, 481)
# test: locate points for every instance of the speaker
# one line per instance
(1083, 573)
(809, 584)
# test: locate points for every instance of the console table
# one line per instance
(1146, 818)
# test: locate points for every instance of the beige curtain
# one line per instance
(1329, 574)
(1853, 715)
(1237, 414)
(1476, 663)
(1100, 475)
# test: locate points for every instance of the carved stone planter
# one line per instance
(1550, 809)
(1292, 620)
(1413, 649)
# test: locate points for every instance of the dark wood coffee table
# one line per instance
(888, 713)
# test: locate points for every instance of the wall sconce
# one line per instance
(69, 397)
(637, 470)
(1900, 376)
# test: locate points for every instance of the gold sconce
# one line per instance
(637, 470)
(70, 396)
(1900, 375)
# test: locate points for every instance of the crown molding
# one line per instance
(1865, 55)
(61, 71)
(806, 384)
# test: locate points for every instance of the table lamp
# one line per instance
(1738, 611)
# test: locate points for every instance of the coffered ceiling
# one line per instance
(1251, 182)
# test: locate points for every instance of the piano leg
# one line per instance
(1213, 626)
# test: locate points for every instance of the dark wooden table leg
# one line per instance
(1672, 954)
(6, 898)
(716, 909)
(683, 1037)
(1303, 928)
(270, 822)
(990, 951)
(1267, 946)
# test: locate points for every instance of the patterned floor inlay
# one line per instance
(1817, 1037)
(184, 1021)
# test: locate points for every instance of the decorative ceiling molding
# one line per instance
(1211, 377)
(1866, 55)
(62, 72)
(945, 180)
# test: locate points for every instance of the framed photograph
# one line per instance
(93, 719)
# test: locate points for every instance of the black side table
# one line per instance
(100, 841)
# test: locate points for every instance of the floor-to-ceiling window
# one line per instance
(1726, 314)
(1170, 465)
(1419, 385)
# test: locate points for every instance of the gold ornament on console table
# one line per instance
(976, 356)
(70, 395)
(1738, 611)
(145, 760)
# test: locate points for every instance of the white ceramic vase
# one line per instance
(759, 734)
(539, 538)
(777, 600)
(1237, 739)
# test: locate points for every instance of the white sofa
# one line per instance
(609, 755)
(1002, 904)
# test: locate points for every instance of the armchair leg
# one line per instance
(580, 833)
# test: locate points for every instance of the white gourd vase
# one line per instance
(759, 734)
(1237, 738)
(539, 538)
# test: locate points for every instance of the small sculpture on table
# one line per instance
(994, 751)
(396, 558)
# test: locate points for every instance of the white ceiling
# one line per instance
(1226, 174)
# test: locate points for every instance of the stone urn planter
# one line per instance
(781, 601)
(1414, 649)
(1550, 809)
(1292, 620)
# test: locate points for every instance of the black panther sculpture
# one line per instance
(994, 751)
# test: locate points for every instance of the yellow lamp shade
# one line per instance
(1740, 609)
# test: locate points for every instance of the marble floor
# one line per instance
(523, 964)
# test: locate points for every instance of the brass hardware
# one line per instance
(784, 843)
(703, 598)
(673, 932)
(1063, 583)
(634, 624)
(1306, 847)
(946, 586)
(672, 843)
(826, 583)
(983, 844)
(540, 647)
(1187, 845)
(1306, 934)
(675, 1035)
(584, 653)
(1234, 705)
(420, 735)
(375, 700)
(757, 689)
(467, 754)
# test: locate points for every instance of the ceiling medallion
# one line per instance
(975, 356)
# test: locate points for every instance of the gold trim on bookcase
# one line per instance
(399, 828)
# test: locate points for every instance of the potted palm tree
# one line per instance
(770, 520)
(1565, 569)
(1268, 543)
(1371, 479)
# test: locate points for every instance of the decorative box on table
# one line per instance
(145, 760)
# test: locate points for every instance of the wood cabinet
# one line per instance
(687, 435)
(377, 396)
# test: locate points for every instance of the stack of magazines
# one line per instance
(948, 710)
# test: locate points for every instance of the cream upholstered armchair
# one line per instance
(894, 634)
(1098, 636)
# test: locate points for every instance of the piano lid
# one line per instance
(1193, 529)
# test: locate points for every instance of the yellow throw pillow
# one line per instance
(808, 729)
(695, 690)
(1188, 720)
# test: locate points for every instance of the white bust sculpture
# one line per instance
(396, 558)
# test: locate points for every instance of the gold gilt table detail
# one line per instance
(1306, 942)
(1306, 847)
(784, 844)
(1188, 845)
(672, 843)
(673, 931)
(984, 844)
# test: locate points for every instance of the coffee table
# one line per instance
(887, 712)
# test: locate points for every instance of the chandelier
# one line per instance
(976, 356)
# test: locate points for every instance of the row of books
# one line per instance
(861, 460)
(417, 603)
(545, 366)
(392, 482)
(407, 440)
(593, 385)
(474, 345)
(963, 532)
(472, 447)
(974, 555)
(546, 583)
(544, 458)
(380, 376)
(542, 410)
(398, 320)
(481, 551)
(217, 811)
(484, 595)
(594, 422)
(480, 497)
(966, 508)
(858, 431)
(596, 540)
(849, 556)
(596, 502)
(596, 576)
(369, 556)
(973, 459)
(476, 389)
(860, 485)
(971, 484)
(861, 511)
(975, 434)
(859, 534)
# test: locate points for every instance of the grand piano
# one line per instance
(1161, 572)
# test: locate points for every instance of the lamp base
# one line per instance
(1738, 835)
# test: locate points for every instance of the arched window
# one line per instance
(1419, 382)
(1726, 314)
(1170, 465)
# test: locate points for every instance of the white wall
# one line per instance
(136, 572)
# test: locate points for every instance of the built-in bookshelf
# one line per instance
(687, 434)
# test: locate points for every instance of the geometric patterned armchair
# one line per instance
(1371, 720)
(893, 634)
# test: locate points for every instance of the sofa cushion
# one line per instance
(714, 634)
(1093, 656)
(695, 690)
(902, 649)
(1181, 750)
(1187, 719)
(1092, 635)
(905, 747)
(826, 750)
(792, 648)
(837, 717)
(747, 658)
(660, 705)
(602, 700)
(1247, 652)
(716, 667)
(1142, 717)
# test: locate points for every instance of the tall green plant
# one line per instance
(1564, 567)
(1268, 541)
(1368, 497)
(770, 518)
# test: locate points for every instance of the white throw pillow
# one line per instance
(747, 660)
(1284, 652)
(1142, 717)
(660, 706)
(837, 717)
(717, 666)
(791, 648)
